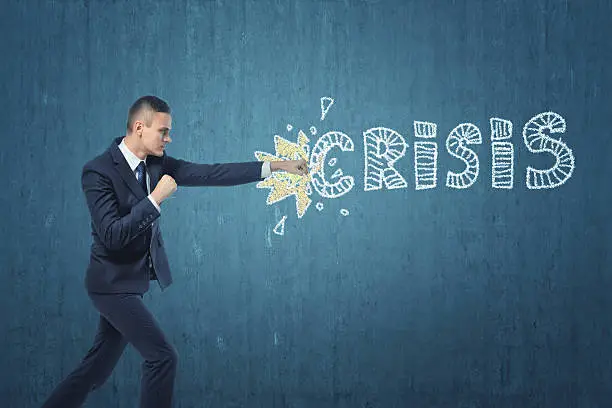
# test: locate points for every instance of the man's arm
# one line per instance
(219, 174)
(227, 174)
(115, 231)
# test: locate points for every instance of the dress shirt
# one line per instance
(134, 161)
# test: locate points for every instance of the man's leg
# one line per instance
(92, 372)
(128, 314)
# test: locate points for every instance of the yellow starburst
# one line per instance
(283, 184)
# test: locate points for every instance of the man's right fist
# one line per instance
(164, 188)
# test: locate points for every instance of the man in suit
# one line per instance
(127, 251)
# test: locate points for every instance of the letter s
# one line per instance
(536, 135)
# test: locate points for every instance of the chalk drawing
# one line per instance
(537, 136)
(326, 103)
(318, 156)
(425, 130)
(502, 168)
(279, 229)
(283, 184)
(462, 135)
(425, 165)
(382, 148)
(502, 154)
(501, 129)
(425, 156)
(308, 189)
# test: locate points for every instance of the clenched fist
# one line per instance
(164, 189)
(299, 167)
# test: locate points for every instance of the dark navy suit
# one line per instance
(126, 254)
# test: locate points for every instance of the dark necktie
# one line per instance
(141, 175)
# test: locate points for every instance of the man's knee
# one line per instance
(169, 355)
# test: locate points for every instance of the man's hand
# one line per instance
(299, 167)
(164, 189)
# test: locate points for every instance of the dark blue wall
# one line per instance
(418, 298)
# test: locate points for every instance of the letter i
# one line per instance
(425, 156)
(502, 167)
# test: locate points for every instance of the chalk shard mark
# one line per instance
(326, 103)
(279, 229)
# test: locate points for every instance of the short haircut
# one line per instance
(147, 104)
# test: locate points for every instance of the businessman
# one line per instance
(124, 188)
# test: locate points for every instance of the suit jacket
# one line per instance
(123, 219)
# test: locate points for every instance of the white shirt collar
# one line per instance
(131, 158)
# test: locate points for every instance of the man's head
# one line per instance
(148, 126)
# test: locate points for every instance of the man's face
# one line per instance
(157, 136)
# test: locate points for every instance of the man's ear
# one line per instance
(138, 125)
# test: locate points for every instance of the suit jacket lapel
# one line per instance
(124, 170)
(154, 167)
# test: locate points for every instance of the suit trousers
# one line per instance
(123, 319)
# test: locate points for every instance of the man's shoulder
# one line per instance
(102, 162)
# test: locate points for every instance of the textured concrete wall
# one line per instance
(436, 298)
